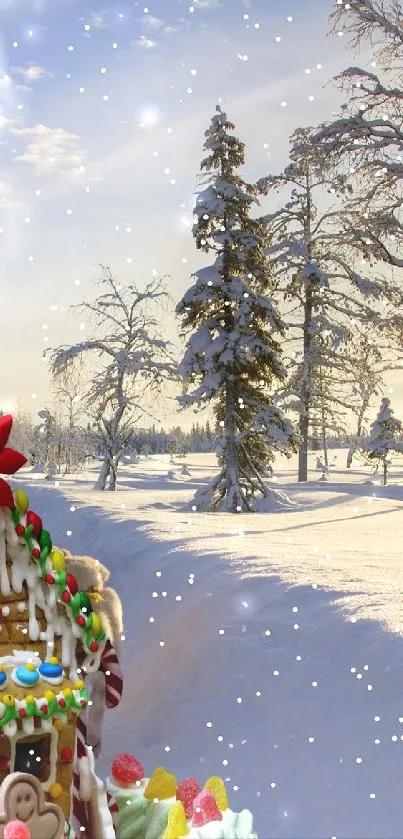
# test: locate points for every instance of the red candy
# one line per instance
(4, 763)
(186, 793)
(49, 579)
(36, 521)
(36, 553)
(61, 702)
(72, 583)
(16, 830)
(205, 809)
(20, 530)
(66, 755)
(126, 770)
(81, 620)
(94, 647)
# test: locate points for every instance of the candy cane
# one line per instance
(113, 676)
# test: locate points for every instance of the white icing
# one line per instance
(100, 813)
(21, 607)
(132, 792)
(233, 826)
(5, 611)
(85, 778)
(10, 729)
(4, 580)
(20, 657)
(53, 680)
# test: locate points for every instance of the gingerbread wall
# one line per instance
(14, 627)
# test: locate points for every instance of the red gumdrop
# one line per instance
(36, 521)
(187, 791)
(72, 583)
(205, 809)
(126, 770)
(16, 830)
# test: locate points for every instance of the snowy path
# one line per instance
(315, 742)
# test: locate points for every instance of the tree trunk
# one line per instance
(103, 475)
(230, 459)
(385, 471)
(305, 390)
(324, 436)
(112, 477)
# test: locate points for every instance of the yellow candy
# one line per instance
(30, 666)
(1, 668)
(29, 699)
(96, 624)
(55, 790)
(216, 786)
(68, 692)
(78, 685)
(8, 700)
(59, 725)
(177, 826)
(22, 501)
(58, 560)
(49, 695)
(53, 660)
(161, 785)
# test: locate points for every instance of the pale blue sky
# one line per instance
(101, 130)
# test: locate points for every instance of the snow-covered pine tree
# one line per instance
(385, 437)
(316, 265)
(233, 354)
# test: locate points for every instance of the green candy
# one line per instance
(45, 541)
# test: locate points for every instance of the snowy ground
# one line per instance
(280, 666)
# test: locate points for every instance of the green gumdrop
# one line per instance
(45, 541)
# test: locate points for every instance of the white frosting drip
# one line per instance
(4, 580)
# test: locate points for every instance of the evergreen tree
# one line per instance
(385, 437)
(233, 354)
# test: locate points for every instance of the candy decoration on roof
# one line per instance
(161, 785)
(10, 461)
(216, 786)
(187, 791)
(127, 770)
(205, 809)
(177, 827)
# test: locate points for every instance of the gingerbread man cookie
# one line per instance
(22, 799)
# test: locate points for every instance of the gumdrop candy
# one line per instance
(127, 770)
(186, 793)
(216, 785)
(177, 826)
(16, 830)
(161, 785)
(205, 809)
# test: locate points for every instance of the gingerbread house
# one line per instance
(50, 639)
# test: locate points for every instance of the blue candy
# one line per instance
(3, 677)
(26, 677)
(50, 671)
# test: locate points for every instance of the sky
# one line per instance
(103, 109)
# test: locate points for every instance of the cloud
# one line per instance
(6, 193)
(31, 73)
(151, 22)
(97, 20)
(50, 149)
(206, 4)
(144, 43)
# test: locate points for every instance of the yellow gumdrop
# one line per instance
(216, 786)
(78, 685)
(53, 660)
(58, 560)
(96, 624)
(67, 692)
(8, 700)
(30, 666)
(177, 825)
(55, 790)
(30, 700)
(21, 500)
(161, 785)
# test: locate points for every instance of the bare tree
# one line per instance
(133, 361)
